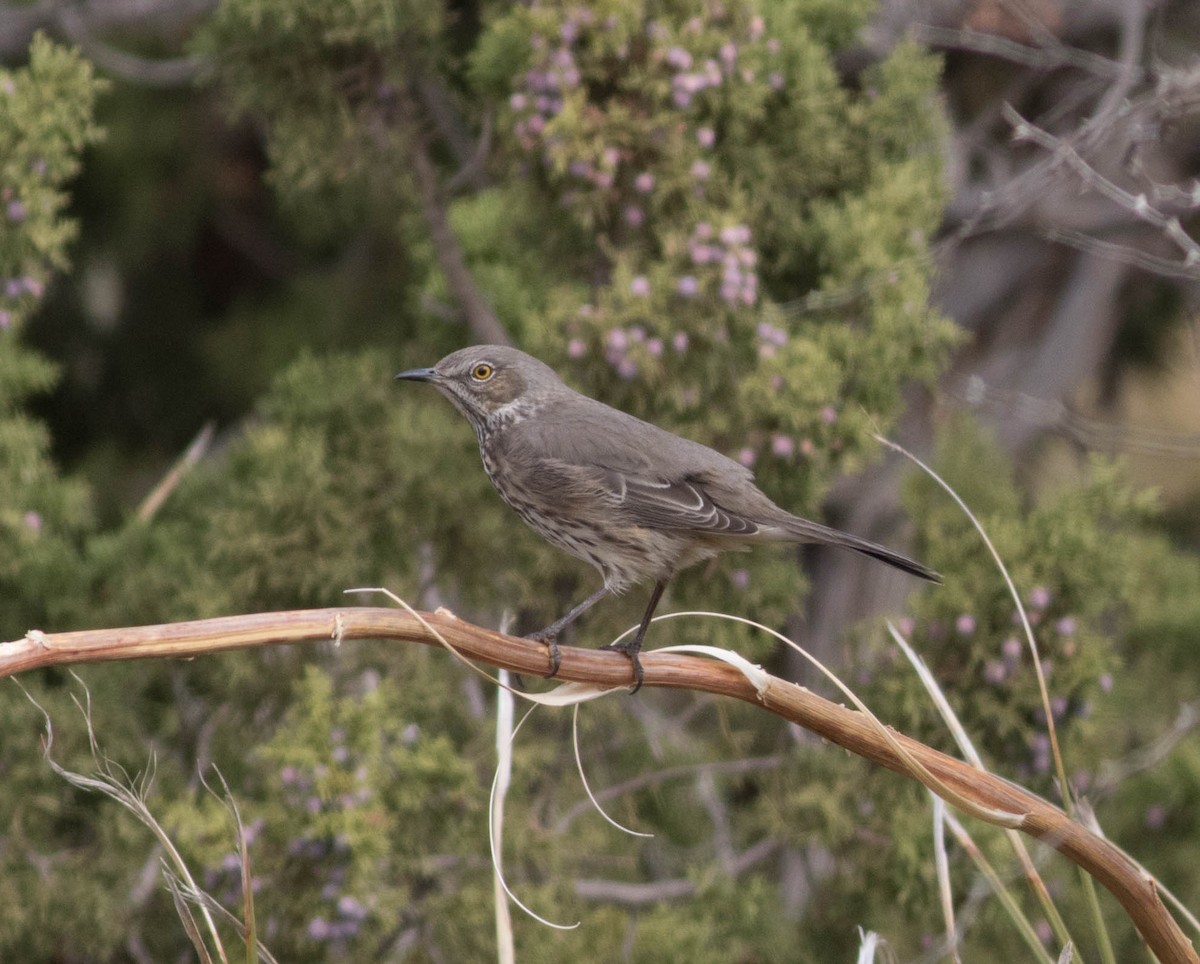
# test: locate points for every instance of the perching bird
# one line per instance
(626, 496)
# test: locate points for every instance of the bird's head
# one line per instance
(485, 379)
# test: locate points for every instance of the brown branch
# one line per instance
(482, 321)
(849, 729)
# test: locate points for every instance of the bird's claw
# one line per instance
(631, 650)
(551, 642)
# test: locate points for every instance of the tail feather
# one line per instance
(805, 531)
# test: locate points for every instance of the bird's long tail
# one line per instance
(805, 531)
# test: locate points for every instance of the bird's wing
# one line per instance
(660, 503)
(646, 476)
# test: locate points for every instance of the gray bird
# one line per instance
(626, 496)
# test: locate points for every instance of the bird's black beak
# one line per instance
(417, 375)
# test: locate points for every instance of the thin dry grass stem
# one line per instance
(1127, 882)
(1024, 928)
(505, 946)
(205, 901)
(496, 825)
(565, 694)
(114, 782)
(941, 864)
(967, 748)
(183, 911)
(762, 681)
(247, 926)
(1089, 886)
(587, 787)
(1052, 732)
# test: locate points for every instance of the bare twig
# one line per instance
(633, 894)
(1107, 863)
(191, 456)
(484, 324)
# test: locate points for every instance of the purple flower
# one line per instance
(1058, 707)
(640, 286)
(679, 58)
(728, 54)
(17, 210)
(1106, 682)
(775, 79)
(33, 286)
(637, 334)
(1066, 626)
(517, 101)
(729, 292)
(1011, 648)
(965, 624)
(610, 157)
(994, 672)
(5, 320)
(701, 170)
(33, 521)
(782, 446)
(644, 182)
(576, 348)
(757, 27)
(747, 457)
(703, 253)
(634, 216)
(681, 98)
(705, 137)
(319, 929)
(1044, 932)
(617, 339)
(688, 286)
(603, 179)
(349, 907)
(703, 231)
(1156, 816)
(13, 288)
(627, 369)
(1039, 597)
(773, 45)
(654, 347)
(906, 626)
(741, 578)
(680, 341)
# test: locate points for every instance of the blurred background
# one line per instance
(780, 227)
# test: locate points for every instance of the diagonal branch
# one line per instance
(1103, 860)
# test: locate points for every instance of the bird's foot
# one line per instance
(631, 649)
(551, 642)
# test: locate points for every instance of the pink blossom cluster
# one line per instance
(729, 250)
(622, 345)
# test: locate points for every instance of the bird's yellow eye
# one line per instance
(482, 372)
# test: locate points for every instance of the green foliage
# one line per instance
(668, 179)
(45, 122)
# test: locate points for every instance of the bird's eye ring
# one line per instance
(482, 372)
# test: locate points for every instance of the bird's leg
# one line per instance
(549, 635)
(634, 646)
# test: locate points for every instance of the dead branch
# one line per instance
(1038, 818)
